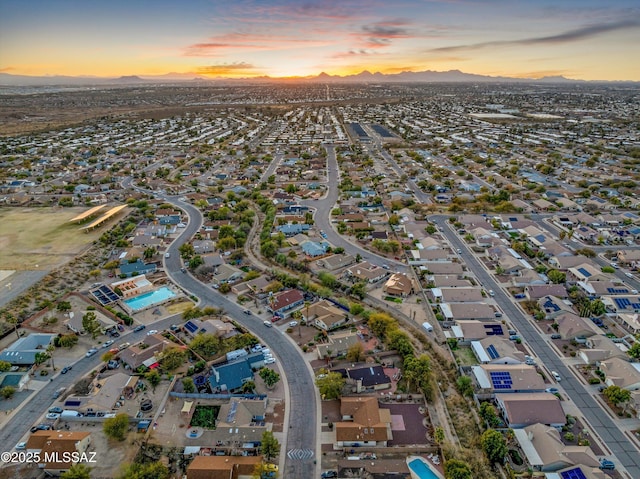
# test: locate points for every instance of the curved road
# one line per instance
(302, 405)
(619, 444)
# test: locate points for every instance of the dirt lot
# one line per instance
(40, 238)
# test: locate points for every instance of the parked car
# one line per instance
(514, 337)
(21, 446)
(152, 331)
(329, 474)
(124, 346)
(267, 324)
(556, 336)
(174, 327)
(138, 328)
(53, 415)
(91, 352)
(552, 390)
(41, 427)
(270, 360)
(66, 369)
(56, 410)
(293, 323)
(606, 464)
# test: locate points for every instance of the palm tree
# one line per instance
(50, 349)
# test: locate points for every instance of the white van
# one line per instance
(427, 326)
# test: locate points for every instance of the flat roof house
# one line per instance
(525, 409)
(23, 351)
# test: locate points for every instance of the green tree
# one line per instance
(63, 306)
(494, 445)
(634, 351)
(7, 392)
(269, 376)
(489, 414)
(399, 340)
(205, 344)
(4, 366)
(149, 470)
(465, 386)
(68, 340)
(173, 358)
(556, 277)
(187, 251)
(108, 356)
(188, 386)
(40, 358)
(116, 427)
(358, 290)
(617, 395)
(77, 471)
(355, 353)
(456, 469)
(90, 324)
(417, 370)
(381, 324)
(270, 446)
(330, 385)
(355, 309)
(438, 435)
(154, 378)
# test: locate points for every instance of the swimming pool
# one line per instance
(420, 469)
(138, 303)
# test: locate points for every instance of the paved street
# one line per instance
(619, 444)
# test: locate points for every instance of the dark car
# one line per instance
(556, 336)
(65, 370)
(329, 474)
(41, 427)
(139, 328)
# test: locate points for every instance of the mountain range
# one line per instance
(451, 76)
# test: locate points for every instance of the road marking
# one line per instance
(300, 454)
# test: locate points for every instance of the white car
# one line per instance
(269, 360)
(152, 331)
(106, 344)
(293, 323)
(556, 376)
(21, 446)
(91, 352)
(53, 415)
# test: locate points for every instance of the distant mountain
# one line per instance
(427, 76)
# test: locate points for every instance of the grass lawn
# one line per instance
(392, 299)
(205, 416)
(465, 356)
(176, 308)
(41, 238)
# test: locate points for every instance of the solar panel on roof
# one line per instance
(584, 272)
(493, 330)
(192, 328)
(501, 379)
(493, 354)
(575, 473)
(622, 303)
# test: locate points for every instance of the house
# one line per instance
(629, 257)
(553, 306)
(147, 352)
(537, 291)
(204, 246)
(245, 416)
(587, 272)
(399, 284)
(216, 327)
(458, 295)
(133, 286)
(222, 467)
(602, 288)
(509, 264)
(508, 378)
(363, 423)
(366, 378)
(621, 304)
(57, 448)
(337, 261)
(449, 268)
(105, 392)
(466, 331)
(23, 352)
(230, 377)
(528, 277)
(325, 315)
(522, 410)
(563, 263)
(146, 241)
(619, 372)
(600, 348)
(285, 301)
(366, 272)
(546, 452)
(447, 281)
(572, 326)
(314, 248)
(462, 311)
(337, 344)
(225, 273)
(138, 267)
(255, 286)
(631, 322)
(293, 229)
(497, 349)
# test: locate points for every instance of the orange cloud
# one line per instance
(229, 69)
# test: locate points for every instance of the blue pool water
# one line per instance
(422, 470)
(145, 300)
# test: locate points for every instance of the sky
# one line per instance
(582, 39)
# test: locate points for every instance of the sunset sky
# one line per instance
(244, 38)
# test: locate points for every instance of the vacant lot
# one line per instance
(41, 238)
